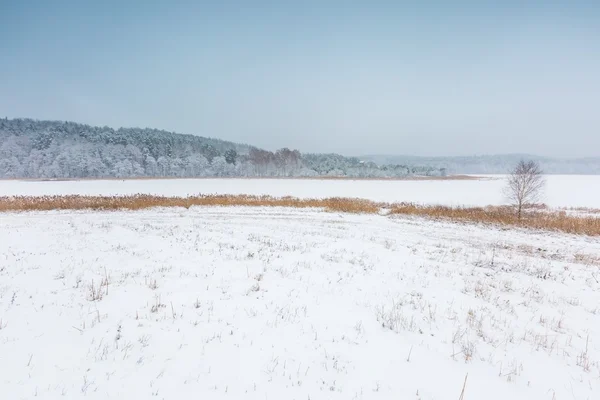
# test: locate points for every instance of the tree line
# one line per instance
(56, 149)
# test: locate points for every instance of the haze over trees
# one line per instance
(55, 149)
(494, 164)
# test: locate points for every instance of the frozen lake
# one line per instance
(561, 190)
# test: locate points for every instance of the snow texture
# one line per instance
(253, 303)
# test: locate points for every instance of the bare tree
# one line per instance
(525, 185)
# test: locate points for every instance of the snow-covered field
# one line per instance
(253, 303)
(561, 190)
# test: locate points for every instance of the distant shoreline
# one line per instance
(315, 178)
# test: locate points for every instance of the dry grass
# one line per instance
(546, 220)
(533, 218)
(143, 201)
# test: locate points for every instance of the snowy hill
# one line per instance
(55, 149)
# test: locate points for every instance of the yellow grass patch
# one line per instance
(142, 201)
(546, 219)
(503, 215)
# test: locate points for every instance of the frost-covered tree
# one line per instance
(197, 166)
(123, 169)
(164, 166)
(151, 166)
(231, 156)
(220, 167)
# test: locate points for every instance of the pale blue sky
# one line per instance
(419, 78)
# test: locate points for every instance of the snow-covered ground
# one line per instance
(253, 303)
(561, 190)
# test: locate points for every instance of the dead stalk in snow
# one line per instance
(106, 280)
(95, 293)
(462, 393)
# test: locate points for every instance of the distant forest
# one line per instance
(56, 149)
(496, 164)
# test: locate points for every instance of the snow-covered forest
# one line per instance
(55, 149)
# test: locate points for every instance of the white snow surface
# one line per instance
(275, 303)
(561, 190)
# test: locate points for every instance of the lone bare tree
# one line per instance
(525, 185)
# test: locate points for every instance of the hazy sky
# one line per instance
(418, 78)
